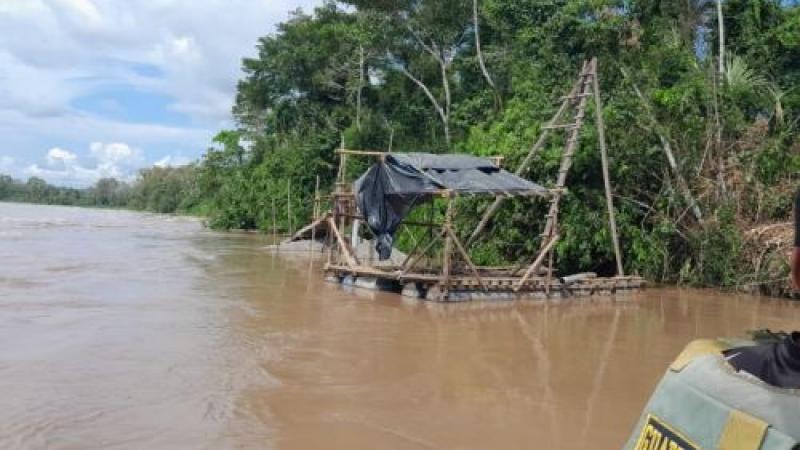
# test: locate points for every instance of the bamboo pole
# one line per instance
(537, 262)
(345, 251)
(329, 244)
(448, 249)
(413, 262)
(289, 204)
(411, 253)
(549, 279)
(310, 227)
(317, 200)
(490, 212)
(467, 259)
(274, 221)
(568, 155)
(345, 151)
(601, 136)
(315, 214)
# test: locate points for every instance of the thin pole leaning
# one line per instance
(289, 205)
(601, 136)
(349, 257)
(315, 214)
(467, 259)
(538, 262)
(409, 265)
(533, 152)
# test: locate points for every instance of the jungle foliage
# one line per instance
(408, 76)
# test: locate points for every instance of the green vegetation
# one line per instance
(416, 75)
(157, 189)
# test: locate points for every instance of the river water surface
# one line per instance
(121, 330)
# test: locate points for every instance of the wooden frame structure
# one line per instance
(453, 275)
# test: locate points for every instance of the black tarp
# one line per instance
(388, 190)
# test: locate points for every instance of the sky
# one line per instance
(102, 88)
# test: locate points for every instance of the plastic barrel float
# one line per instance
(721, 394)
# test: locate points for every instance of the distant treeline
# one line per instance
(156, 189)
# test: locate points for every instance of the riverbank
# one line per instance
(766, 253)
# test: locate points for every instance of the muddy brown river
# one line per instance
(121, 330)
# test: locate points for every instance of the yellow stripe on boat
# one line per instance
(743, 432)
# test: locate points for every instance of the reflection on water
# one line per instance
(129, 331)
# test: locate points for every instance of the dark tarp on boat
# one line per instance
(389, 189)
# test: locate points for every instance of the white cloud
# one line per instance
(111, 160)
(173, 161)
(32, 91)
(197, 46)
(115, 153)
(80, 10)
(58, 155)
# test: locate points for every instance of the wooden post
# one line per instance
(412, 262)
(317, 200)
(550, 261)
(274, 222)
(329, 243)
(354, 238)
(289, 205)
(431, 218)
(467, 259)
(601, 136)
(315, 214)
(345, 251)
(536, 263)
(410, 254)
(448, 249)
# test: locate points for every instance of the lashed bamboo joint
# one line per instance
(449, 273)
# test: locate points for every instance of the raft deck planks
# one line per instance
(467, 285)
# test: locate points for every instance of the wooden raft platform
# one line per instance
(467, 287)
(441, 264)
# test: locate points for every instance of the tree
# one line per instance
(107, 191)
(421, 33)
(36, 190)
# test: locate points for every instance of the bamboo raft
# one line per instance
(489, 287)
(452, 275)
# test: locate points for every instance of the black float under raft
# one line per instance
(440, 267)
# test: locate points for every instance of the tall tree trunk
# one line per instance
(723, 189)
(447, 99)
(444, 114)
(667, 148)
(721, 23)
(440, 57)
(360, 86)
(481, 62)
